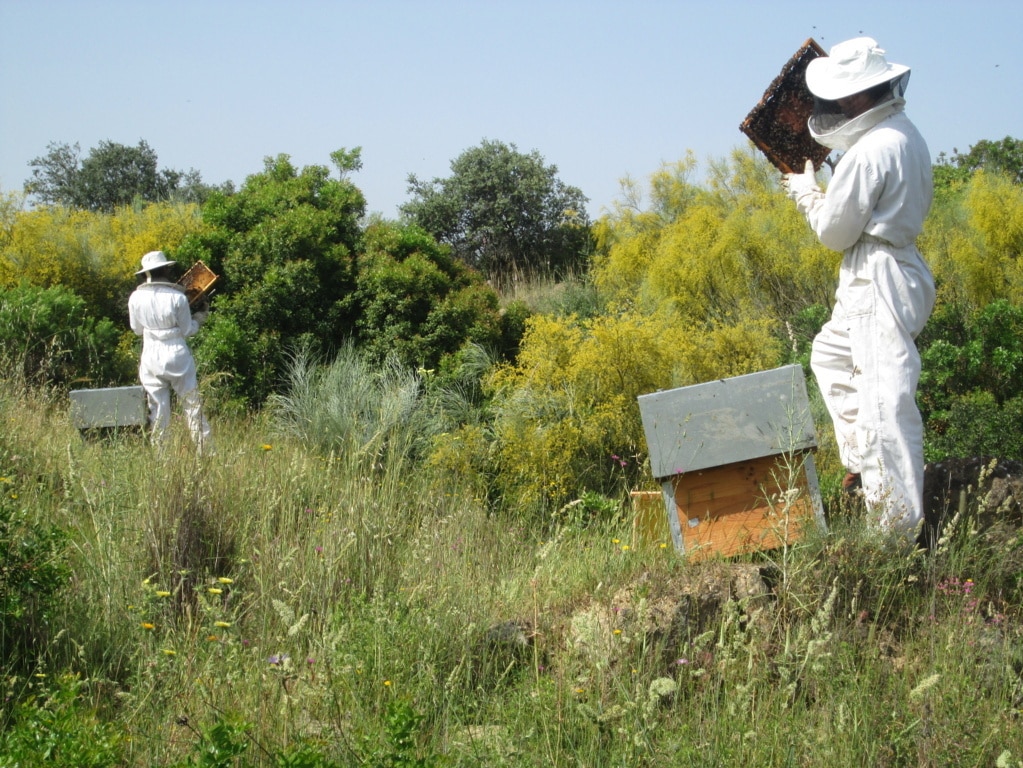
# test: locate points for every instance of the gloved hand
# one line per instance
(802, 187)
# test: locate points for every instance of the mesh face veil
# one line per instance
(831, 127)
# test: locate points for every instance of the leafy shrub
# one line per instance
(285, 247)
(976, 424)
(93, 254)
(49, 336)
(418, 303)
(55, 726)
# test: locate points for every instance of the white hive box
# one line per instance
(110, 407)
(734, 459)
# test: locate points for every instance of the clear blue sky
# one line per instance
(600, 89)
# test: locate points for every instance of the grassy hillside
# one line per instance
(276, 605)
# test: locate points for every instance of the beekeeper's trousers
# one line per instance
(867, 365)
(165, 366)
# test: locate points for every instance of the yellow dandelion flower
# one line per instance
(625, 547)
(212, 638)
(618, 631)
(225, 580)
(170, 652)
(215, 591)
(614, 541)
(222, 624)
(387, 683)
(147, 625)
(663, 545)
(267, 447)
(162, 593)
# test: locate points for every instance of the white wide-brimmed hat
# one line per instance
(851, 67)
(154, 260)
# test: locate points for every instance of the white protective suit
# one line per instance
(159, 313)
(865, 357)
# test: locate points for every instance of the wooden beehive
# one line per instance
(198, 281)
(109, 407)
(777, 124)
(735, 461)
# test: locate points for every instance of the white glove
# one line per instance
(802, 187)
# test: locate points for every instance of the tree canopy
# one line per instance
(504, 212)
(110, 176)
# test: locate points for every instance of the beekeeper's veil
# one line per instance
(852, 67)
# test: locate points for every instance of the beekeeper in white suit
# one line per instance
(158, 312)
(865, 358)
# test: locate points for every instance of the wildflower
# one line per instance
(267, 447)
(162, 593)
(625, 547)
(615, 541)
(387, 683)
(278, 658)
(222, 624)
(618, 632)
(212, 638)
(310, 660)
(663, 545)
(215, 591)
(682, 662)
(147, 625)
(170, 652)
(225, 580)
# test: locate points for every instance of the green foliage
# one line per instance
(33, 570)
(971, 379)
(220, 746)
(285, 247)
(1004, 156)
(111, 176)
(417, 303)
(504, 213)
(48, 336)
(57, 728)
(402, 726)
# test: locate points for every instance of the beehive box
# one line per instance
(777, 123)
(735, 461)
(110, 407)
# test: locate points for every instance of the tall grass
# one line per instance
(313, 595)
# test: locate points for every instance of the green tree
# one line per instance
(111, 175)
(1005, 156)
(418, 303)
(504, 213)
(285, 248)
